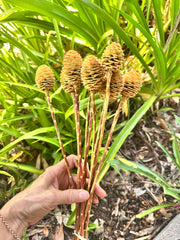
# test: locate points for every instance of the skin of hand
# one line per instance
(44, 194)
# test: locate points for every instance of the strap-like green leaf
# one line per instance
(119, 140)
(59, 13)
(159, 20)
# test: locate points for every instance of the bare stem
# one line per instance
(87, 139)
(80, 183)
(59, 138)
(116, 116)
(100, 132)
(78, 133)
(94, 118)
(89, 204)
(77, 222)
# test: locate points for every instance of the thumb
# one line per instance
(72, 196)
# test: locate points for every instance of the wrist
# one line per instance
(6, 231)
(11, 217)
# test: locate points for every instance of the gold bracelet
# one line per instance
(9, 228)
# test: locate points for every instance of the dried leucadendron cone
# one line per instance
(45, 78)
(92, 74)
(71, 71)
(132, 83)
(116, 86)
(112, 57)
(69, 88)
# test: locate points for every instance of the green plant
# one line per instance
(153, 175)
(95, 28)
(175, 145)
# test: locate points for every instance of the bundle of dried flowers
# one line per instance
(103, 76)
(112, 59)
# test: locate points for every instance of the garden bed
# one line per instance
(130, 193)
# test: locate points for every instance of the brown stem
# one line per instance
(96, 151)
(94, 136)
(116, 116)
(87, 139)
(94, 118)
(89, 204)
(100, 132)
(77, 220)
(80, 183)
(78, 133)
(59, 138)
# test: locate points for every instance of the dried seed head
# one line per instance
(71, 71)
(132, 83)
(112, 57)
(45, 78)
(69, 88)
(92, 74)
(116, 86)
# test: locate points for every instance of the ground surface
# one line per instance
(130, 193)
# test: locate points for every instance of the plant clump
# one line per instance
(71, 71)
(92, 73)
(45, 78)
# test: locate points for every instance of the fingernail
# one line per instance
(83, 195)
(104, 193)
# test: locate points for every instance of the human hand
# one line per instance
(44, 194)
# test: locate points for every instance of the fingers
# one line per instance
(71, 159)
(61, 166)
(71, 196)
(99, 191)
(95, 199)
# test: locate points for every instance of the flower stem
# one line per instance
(80, 183)
(87, 139)
(59, 138)
(100, 132)
(89, 204)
